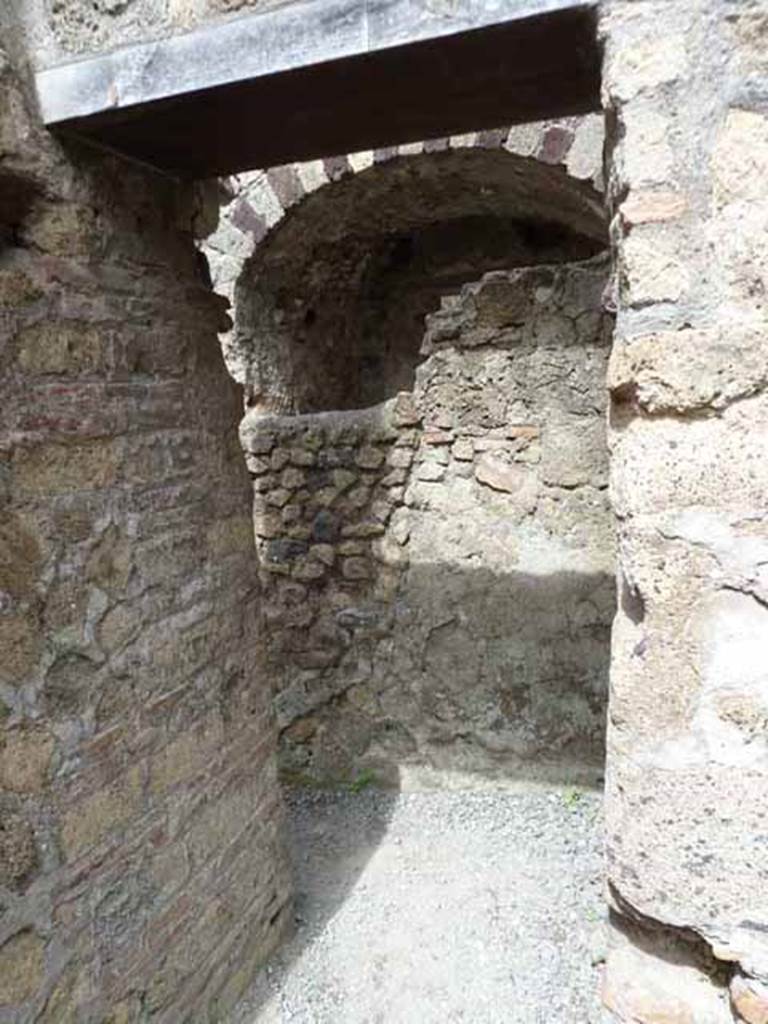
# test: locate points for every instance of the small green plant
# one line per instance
(362, 780)
(572, 798)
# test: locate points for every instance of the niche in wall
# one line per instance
(330, 310)
(426, 439)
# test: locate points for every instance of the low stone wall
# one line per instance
(329, 492)
(438, 569)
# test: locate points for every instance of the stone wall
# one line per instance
(438, 570)
(142, 874)
(686, 89)
(331, 265)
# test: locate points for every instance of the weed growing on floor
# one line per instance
(362, 780)
(572, 799)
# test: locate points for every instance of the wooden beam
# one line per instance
(323, 78)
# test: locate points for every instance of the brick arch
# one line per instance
(254, 204)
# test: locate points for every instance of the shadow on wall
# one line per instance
(438, 570)
(467, 675)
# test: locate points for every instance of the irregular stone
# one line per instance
(256, 442)
(652, 207)
(381, 510)
(22, 963)
(400, 458)
(18, 850)
(502, 476)
(21, 643)
(343, 479)
(325, 528)
(61, 348)
(95, 816)
(646, 150)
(284, 550)
(405, 413)
(430, 471)
(302, 729)
(638, 987)
(358, 498)
(356, 569)
(279, 458)
(584, 157)
(400, 525)
(524, 432)
(308, 569)
(740, 161)
(18, 289)
(20, 557)
(299, 532)
(185, 759)
(353, 547)
(268, 525)
(651, 271)
(110, 561)
(291, 478)
(679, 371)
(47, 470)
(291, 514)
(649, 61)
(395, 478)
(750, 999)
(437, 437)
(279, 497)
(319, 657)
(25, 758)
(463, 450)
(388, 551)
(325, 497)
(324, 553)
(302, 457)
(407, 438)
(369, 457)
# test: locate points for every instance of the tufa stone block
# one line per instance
(356, 569)
(369, 457)
(18, 850)
(91, 819)
(22, 966)
(25, 758)
(750, 1000)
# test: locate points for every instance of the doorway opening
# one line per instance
(423, 347)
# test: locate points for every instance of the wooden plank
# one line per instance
(361, 76)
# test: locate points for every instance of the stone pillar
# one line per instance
(141, 865)
(686, 95)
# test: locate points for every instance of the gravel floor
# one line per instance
(427, 907)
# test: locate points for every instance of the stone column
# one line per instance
(141, 865)
(686, 95)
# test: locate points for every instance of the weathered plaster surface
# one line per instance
(688, 763)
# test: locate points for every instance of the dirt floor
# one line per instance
(427, 907)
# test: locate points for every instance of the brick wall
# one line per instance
(141, 862)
